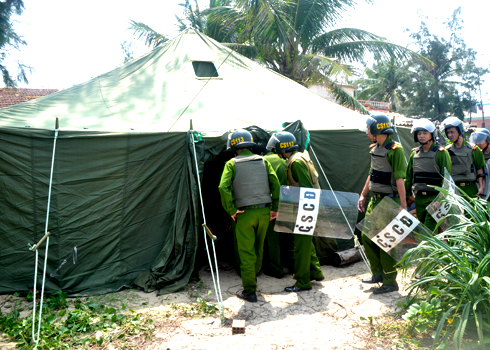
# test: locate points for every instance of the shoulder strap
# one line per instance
(389, 145)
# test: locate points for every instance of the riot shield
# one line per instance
(391, 228)
(486, 181)
(441, 208)
(311, 211)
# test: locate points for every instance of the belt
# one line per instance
(254, 206)
(427, 193)
(391, 195)
(463, 184)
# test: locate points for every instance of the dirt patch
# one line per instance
(327, 317)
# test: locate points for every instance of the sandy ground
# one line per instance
(327, 317)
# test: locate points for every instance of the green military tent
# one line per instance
(124, 201)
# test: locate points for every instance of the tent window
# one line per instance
(204, 69)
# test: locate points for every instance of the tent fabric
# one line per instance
(124, 201)
(161, 92)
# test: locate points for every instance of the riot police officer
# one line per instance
(467, 159)
(249, 191)
(426, 167)
(481, 137)
(386, 178)
(278, 246)
(300, 172)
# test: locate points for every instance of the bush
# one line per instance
(452, 294)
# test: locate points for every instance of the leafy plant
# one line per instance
(88, 324)
(202, 307)
(425, 315)
(57, 300)
(454, 270)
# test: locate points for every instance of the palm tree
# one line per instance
(194, 18)
(298, 39)
(382, 83)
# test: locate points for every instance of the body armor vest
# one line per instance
(382, 179)
(487, 156)
(251, 183)
(305, 158)
(425, 169)
(462, 160)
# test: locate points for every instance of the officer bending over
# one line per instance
(300, 172)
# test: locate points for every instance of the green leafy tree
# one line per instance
(382, 83)
(9, 40)
(472, 79)
(438, 91)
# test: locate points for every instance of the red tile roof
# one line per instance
(13, 96)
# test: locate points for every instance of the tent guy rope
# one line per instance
(35, 338)
(217, 288)
(356, 240)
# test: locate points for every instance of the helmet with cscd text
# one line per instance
(282, 142)
(240, 139)
(426, 125)
(379, 124)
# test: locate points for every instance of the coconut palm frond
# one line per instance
(243, 49)
(344, 99)
(144, 32)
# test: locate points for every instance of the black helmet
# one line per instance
(453, 122)
(282, 142)
(379, 124)
(426, 125)
(240, 139)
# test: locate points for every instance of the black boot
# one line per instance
(251, 297)
(386, 289)
(374, 279)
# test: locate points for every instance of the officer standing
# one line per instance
(426, 167)
(386, 178)
(249, 191)
(467, 159)
(481, 137)
(300, 172)
(277, 244)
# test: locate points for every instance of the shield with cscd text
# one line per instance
(316, 212)
(441, 209)
(392, 228)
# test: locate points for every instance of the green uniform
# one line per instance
(277, 244)
(443, 160)
(251, 226)
(306, 263)
(479, 162)
(382, 264)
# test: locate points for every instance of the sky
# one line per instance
(70, 42)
